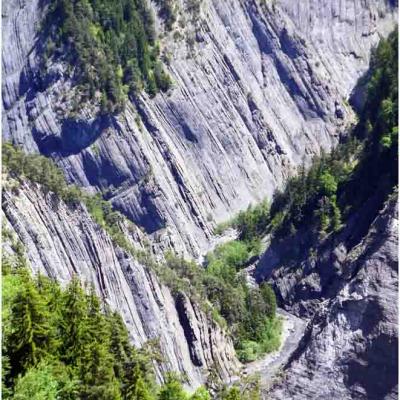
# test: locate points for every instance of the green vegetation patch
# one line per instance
(62, 344)
(250, 312)
(110, 45)
(250, 223)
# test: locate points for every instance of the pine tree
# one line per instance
(120, 347)
(37, 384)
(32, 336)
(95, 362)
(137, 388)
(93, 359)
(73, 327)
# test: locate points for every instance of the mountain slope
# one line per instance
(256, 89)
(61, 242)
(350, 350)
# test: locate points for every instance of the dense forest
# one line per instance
(321, 198)
(64, 344)
(110, 45)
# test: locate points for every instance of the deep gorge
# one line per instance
(258, 89)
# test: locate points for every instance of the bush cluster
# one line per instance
(168, 12)
(377, 172)
(310, 198)
(249, 311)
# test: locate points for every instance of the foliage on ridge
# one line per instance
(110, 45)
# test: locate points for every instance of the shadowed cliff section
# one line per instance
(353, 334)
(75, 136)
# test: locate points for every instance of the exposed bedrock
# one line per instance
(263, 88)
(349, 290)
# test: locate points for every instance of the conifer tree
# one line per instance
(32, 335)
(95, 361)
(74, 323)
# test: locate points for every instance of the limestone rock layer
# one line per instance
(258, 87)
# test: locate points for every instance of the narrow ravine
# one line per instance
(268, 367)
(293, 329)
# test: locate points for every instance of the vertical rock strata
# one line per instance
(257, 89)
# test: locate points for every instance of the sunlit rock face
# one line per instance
(257, 90)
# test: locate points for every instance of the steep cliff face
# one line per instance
(62, 242)
(350, 293)
(256, 89)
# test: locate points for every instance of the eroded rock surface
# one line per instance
(257, 89)
(350, 350)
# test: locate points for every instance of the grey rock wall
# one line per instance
(257, 89)
(350, 350)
